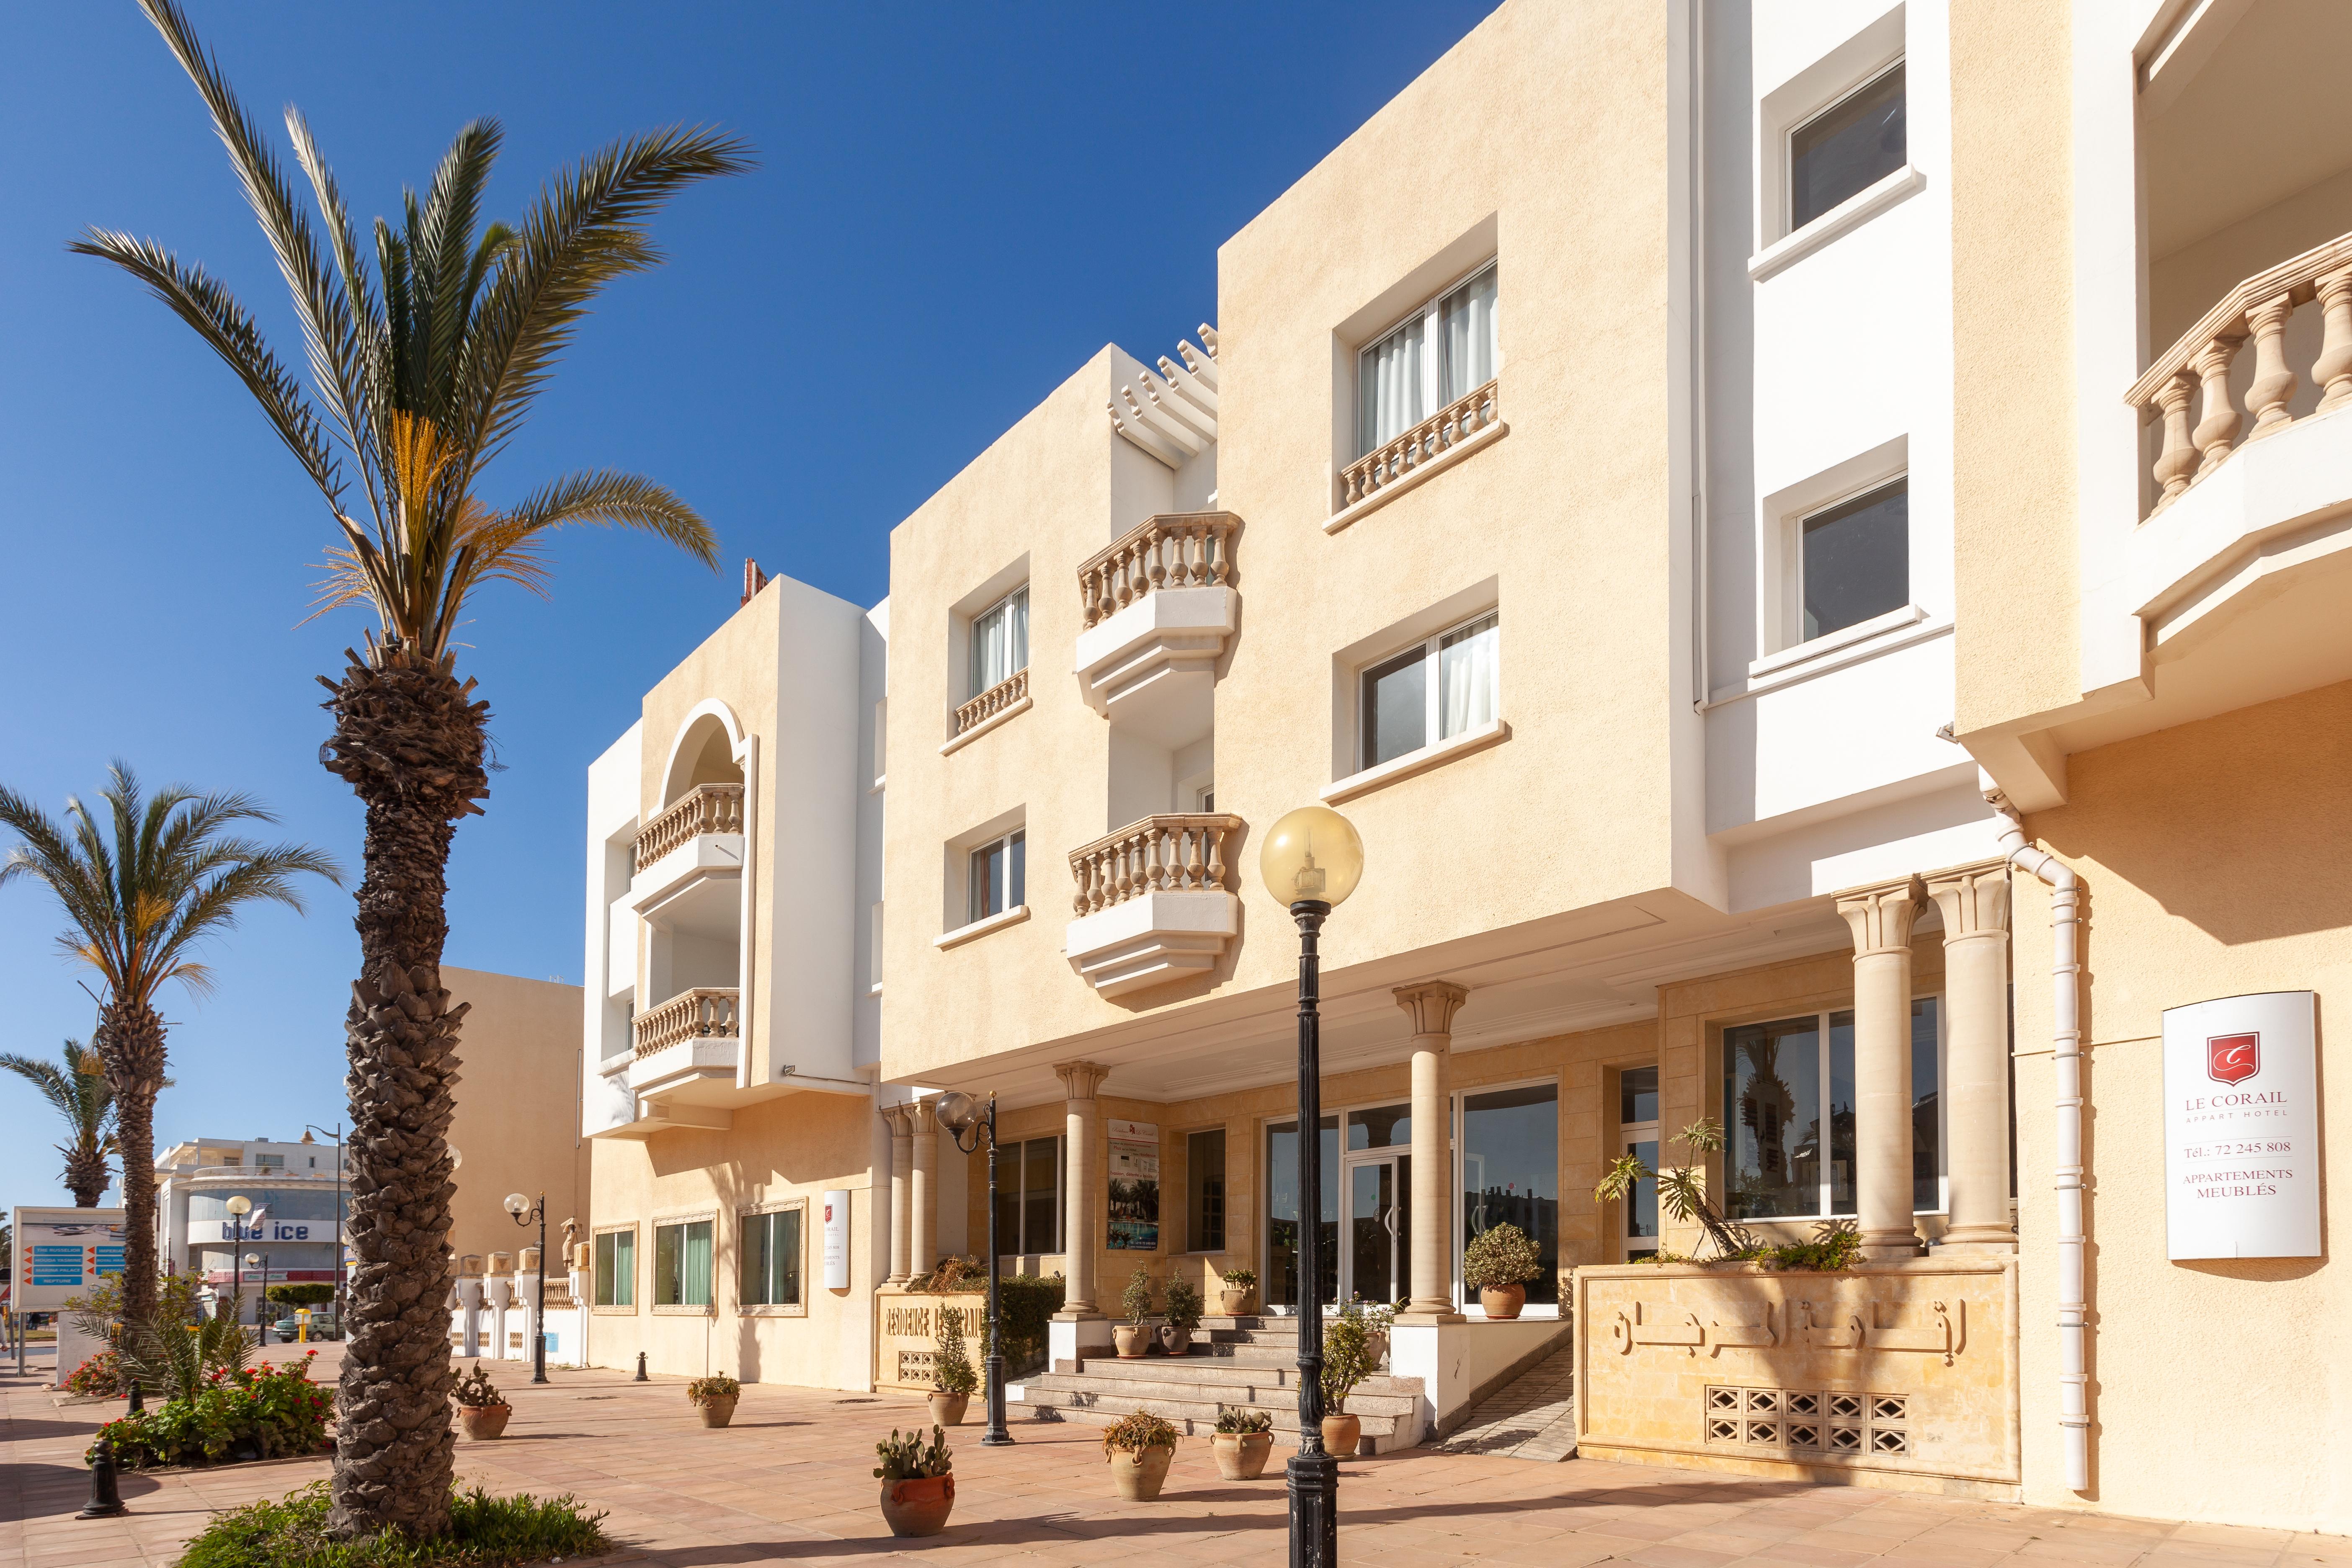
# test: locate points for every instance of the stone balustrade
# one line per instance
(1172, 549)
(2198, 363)
(1176, 853)
(706, 808)
(702, 1012)
(994, 700)
(1394, 459)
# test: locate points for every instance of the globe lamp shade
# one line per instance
(957, 1111)
(240, 1205)
(517, 1204)
(1311, 856)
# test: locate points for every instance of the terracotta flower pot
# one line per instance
(1131, 1340)
(947, 1409)
(918, 1507)
(1233, 1301)
(1505, 1303)
(1341, 1434)
(717, 1412)
(1175, 1342)
(1376, 1347)
(1241, 1456)
(481, 1422)
(1139, 1477)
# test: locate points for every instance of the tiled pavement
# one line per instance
(1532, 1417)
(789, 1483)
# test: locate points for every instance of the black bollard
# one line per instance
(105, 1497)
(138, 1398)
(641, 1377)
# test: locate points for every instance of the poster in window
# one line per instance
(1134, 1186)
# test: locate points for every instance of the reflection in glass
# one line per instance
(1510, 1171)
(1641, 1202)
(1041, 1196)
(1637, 1098)
(1772, 1088)
(1205, 1183)
(1281, 1282)
(1372, 1218)
(1927, 1110)
(1380, 1127)
(1847, 148)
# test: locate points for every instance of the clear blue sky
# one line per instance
(957, 204)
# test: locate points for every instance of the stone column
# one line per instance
(1881, 919)
(1431, 1007)
(902, 1176)
(923, 1192)
(1082, 1176)
(1975, 903)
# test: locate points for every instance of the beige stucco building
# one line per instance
(1709, 491)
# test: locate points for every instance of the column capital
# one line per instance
(1880, 915)
(1432, 1004)
(900, 1117)
(1080, 1079)
(1974, 899)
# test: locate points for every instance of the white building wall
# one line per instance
(610, 967)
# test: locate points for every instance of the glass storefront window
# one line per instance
(682, 1264)
(1204, 1191)
(616, 1269)
(1510, 1171)
(1789, 1127)
(1380, 1127)
(1281, 1281)
(1927, 1110)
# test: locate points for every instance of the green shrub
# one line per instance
(1136, 1299)
(1501, 1256)
(951, 1367)
(1028, 1304)
(278, 1410)
(703, 1390)
(99, 1376)
(1244, 1419)
(1183, 1305)
(1347, 1357)
(1241, 1279)
(1137, 1432)
(485, 1532)
(304, 1293)
(909, 1459)
(476, 1391)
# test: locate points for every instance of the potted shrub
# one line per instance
(1243, 1440)
(1181, 1317)
(1132, 1337)
(1138, 1449)
(952, 1379)
(1376, 1321)
(482, 1410)
(918, 1482)
(1500, 1262)
(1234, 1295)
(715, 1397)
(1347, 1345)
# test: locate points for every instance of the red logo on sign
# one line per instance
(2233, 1058)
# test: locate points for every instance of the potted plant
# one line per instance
(1132, 1337)
(1347, 1345)
(1138, 1449)
(952, 1379)
(918, 1482)
(1241, 1443)
(1500, 1262)
(1234, 1295)
(1181, 1317)
(715, 1397)
(1376, 1321)
(482, 1410)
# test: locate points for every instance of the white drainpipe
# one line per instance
(2066, 1057)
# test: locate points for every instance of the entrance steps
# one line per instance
(1234, 1361)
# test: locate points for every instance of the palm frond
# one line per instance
(504, 545)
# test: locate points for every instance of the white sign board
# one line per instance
(64, 1252)
(836, 1239)
(2242, 1127)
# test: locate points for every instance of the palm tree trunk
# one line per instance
(130, 1044)
(411, 746)
(87, 1177)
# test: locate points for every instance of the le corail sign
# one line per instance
(2242, 1127)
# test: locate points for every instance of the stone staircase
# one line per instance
(1233, 1361)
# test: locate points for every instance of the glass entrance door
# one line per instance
(1379, 1228)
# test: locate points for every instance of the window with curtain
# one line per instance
(1432, 691)
(1444, 350)
(1510, 1171)
(1204, 1191)
(1000, 641)
(768, 1272)
(999, 876)
(616, 1269)
(1029, 1196)
(682, 1259)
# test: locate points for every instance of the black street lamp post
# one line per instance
(339, 1272)
(525, 1211)
(238, 1207)
(261, 1308)
(1308, 889)
(963, 1117)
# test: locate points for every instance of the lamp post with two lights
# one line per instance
(525, 1211)
(965, 1119)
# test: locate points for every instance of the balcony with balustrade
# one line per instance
(690, 855)
(1159, 608)
(689, 1052)
(1154, 902)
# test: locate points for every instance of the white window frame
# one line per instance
(1781, 643)
(1845, 69)
(972, 632)
(1459, 1161)
(743, 1218)
(1433, 689)
(1821, 1016)
(1901, 613)
(652, 1262)
(973, 895)
(597, 1235)
(1433, 373)
(1019, 1193)
(1629, 1133)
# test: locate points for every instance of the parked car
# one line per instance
(322, 1326)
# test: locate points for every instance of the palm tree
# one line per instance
(426, 363)
(140, 892)
(78, 1090)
